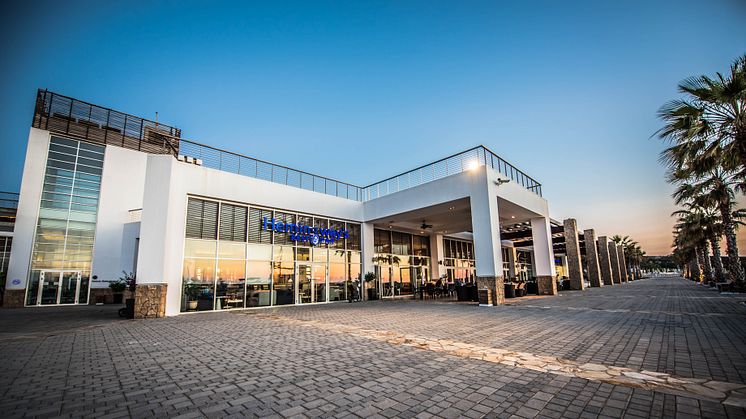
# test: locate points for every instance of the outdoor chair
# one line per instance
(430, 289)
(520, 289)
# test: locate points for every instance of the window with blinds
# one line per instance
(353, 242)
(421, 245)
(256, 220)
(285, 219)
(339, 226)
(232, 223)
(202, 219)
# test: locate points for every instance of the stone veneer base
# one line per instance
(496, 286)
(13, 298)
(150, 301)
(547, 284)
(101, 295)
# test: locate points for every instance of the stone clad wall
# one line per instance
(547, 285)
(496, 286)
(150, 301)
(572, 249)
(604, 260)
(591, 253)
(13, 298)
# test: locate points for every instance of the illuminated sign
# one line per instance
(303, 233)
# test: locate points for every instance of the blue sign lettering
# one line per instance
(303, 233)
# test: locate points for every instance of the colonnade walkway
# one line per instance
(651, 348)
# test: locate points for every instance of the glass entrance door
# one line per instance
(319, 284)
(49, 284)
(58, 287)
(311, 283)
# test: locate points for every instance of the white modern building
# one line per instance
(205, 229)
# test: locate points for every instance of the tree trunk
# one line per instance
(696, 266)
(702, 254)
(717, 260)
(735, 273)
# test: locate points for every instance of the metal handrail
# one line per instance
(66, 115)
(229, 161)
(453, 164)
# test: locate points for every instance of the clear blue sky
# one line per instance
(567, 91)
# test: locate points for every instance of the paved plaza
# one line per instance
(659, 347)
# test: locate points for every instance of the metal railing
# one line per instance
(65, 115)
(227, 161)
(457, 163)
(8, 210)
(9, 200)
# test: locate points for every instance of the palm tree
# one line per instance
(633, 253)
(712, 229)
(707, 185)
(711, 116)
(692, 242)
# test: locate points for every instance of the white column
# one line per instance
(485, 225)
(541, 233)
(437, 256)
(26, 217)
(366, 232)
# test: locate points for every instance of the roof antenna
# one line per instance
(156, 119)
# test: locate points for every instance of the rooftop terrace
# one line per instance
(68, 116)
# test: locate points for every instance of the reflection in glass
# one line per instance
(304, 284)
(337, 283)
(259, 252)
(200, 248)
(258, 282)
(198, 279)
(283, 287)
(230, 250)
(319, 284)
(230, 284)
(33, 288)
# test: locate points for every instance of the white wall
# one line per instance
(122, 188)
(28, 208)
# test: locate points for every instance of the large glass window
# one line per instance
(459, 260)
(382, 241)
(198, 277)
(63, 243)
(240, 256)
(403, 269)
(259, 276)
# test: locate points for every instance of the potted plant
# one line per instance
(370, 277)
(131, 283)
(191, 292)
(117, 289)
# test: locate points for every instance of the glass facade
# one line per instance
(238, 256)
(5, 244)
(402, 262)
(63, 244)
(523, 266)
(459, 260)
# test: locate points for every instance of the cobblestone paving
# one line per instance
(82, 361)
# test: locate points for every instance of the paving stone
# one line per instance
(86, 362)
